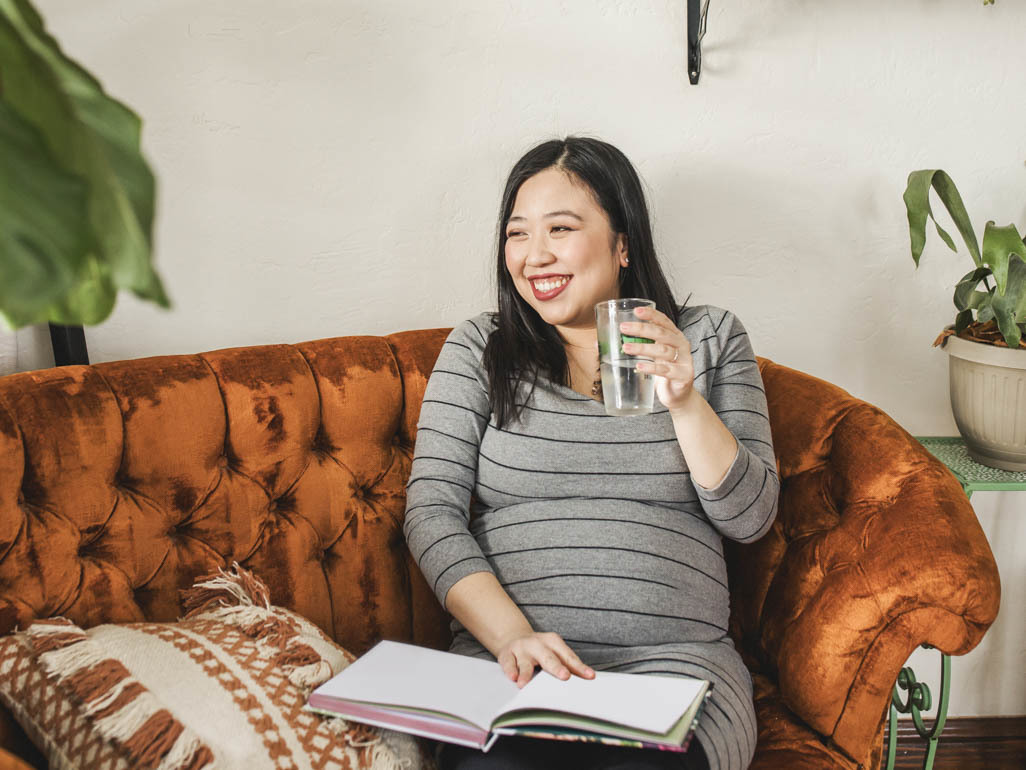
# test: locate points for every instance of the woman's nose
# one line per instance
(538, 252)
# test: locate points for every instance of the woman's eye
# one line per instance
(513, 233)
(561, 227)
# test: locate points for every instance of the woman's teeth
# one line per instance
(548, 285)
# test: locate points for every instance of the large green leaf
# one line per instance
(999, 243)
(90, 300)
(95, 138)
(1017, 278)
(962, 321)
(917, 205)
(979, 299)
(44, 225)
(964, 288)
(1004, 314)
(1010, 308)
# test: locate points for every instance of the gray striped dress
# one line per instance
(592, 523)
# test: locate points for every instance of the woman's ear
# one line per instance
(621, 249)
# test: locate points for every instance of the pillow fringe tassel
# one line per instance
(120, 707)
(240, 598)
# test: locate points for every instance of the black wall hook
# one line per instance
(698, 19)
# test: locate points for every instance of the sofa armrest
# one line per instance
(9, 761)
(876, 551)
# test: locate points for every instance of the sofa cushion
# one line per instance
(224, 687)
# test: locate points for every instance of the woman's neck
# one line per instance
(578, 340)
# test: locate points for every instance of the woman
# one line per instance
(563, 538)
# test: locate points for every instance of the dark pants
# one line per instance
(516, 753)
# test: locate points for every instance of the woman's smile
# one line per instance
(549, 288)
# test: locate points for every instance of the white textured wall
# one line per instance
(334, 168)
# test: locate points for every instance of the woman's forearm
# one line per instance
(708, 445)
(484, 608)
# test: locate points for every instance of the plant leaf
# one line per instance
(979, 299)
(1004, 314)
(96, 138)
(917, 205)
(964, 288)
(998, 244)
(44, 224)
(90, 300)
(1016, 293)
(962, 321)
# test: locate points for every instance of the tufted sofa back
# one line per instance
(121, 482)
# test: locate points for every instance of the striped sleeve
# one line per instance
(744, 504)
(452, 421)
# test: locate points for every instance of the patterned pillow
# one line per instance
(222, 688)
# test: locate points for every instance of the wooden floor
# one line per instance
(967, 743)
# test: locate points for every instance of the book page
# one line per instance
(405, 675)
(647, 702)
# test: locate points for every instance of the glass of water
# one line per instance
(625, 390)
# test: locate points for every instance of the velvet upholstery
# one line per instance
(121, 482)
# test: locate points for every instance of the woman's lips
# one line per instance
(547, 295)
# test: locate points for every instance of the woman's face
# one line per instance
(561, 251)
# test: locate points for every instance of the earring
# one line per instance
(626, 261)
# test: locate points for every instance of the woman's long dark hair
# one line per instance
(523, 345)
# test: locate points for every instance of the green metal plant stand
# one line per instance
(973, 477)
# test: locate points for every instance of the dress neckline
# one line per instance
(578, 397)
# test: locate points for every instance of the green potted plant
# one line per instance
(76, 193)
(985, 345)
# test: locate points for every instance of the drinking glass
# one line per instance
(625, 390)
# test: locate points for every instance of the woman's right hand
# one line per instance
(519, 656)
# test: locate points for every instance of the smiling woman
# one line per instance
(591, 542)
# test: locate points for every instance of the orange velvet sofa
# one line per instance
(122, 482)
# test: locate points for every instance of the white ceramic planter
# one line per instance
(988, 400)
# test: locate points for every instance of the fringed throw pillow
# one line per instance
(222, 688)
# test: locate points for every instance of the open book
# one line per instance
(470, 701)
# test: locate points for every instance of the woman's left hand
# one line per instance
(670, 352)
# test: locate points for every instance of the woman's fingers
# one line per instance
(655, 316)
(547, 650)
(575, 664)
(648, 330)
(550, 662)
(568, 660)
(655, 350)
(661, 351)
(526, 665)
(665, 340)
(509, 664)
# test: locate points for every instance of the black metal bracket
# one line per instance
(69, 345)
(698, 20)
